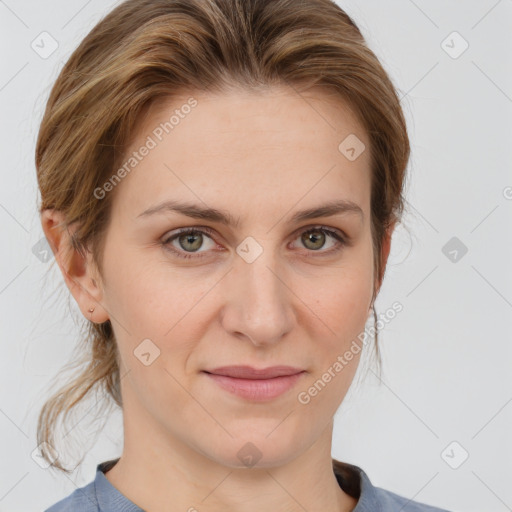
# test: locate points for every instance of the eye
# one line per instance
(315, 238)
(187, 241)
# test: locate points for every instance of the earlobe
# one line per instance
(78, 270)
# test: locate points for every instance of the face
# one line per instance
(251, 283)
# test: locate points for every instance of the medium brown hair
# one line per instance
(147, 50)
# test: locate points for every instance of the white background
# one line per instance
(447, 356)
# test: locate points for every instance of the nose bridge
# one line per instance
(260, 305)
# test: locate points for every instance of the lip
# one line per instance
(248, 372)
(253, 384)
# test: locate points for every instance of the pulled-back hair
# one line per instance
(146, 50)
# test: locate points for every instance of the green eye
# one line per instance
(191, 240)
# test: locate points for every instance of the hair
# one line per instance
(148, 50)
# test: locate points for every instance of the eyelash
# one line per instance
(342, 241)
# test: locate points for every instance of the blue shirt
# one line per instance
(101, 496)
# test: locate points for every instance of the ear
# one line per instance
(80, 272)
(385, 249)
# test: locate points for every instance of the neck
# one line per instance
(157, 471)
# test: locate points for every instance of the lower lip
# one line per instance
(256, 389)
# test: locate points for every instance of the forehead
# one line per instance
(246, 147)
(282, 111)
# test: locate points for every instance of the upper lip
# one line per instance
(248, 372)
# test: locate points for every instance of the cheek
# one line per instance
(144, 293)
(352, 299)
(168, 307)
(340, 314)
(342, 300)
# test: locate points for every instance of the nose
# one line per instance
(258, 303)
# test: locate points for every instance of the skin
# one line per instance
(261, 157)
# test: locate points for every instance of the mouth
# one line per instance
(253, 384)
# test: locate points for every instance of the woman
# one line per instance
(220, 181)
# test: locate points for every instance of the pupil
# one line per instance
(312, 237)
(189, 239)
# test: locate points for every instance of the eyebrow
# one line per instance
(195, 211)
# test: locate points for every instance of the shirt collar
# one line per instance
(355, 482)
(352, 479)
(109, 497)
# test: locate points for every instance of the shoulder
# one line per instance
(390, 501)
(356, 483)
(80, 500)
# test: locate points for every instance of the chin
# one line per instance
(257, 449)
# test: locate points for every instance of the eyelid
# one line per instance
(167, 239)
(302, 229)
(342, 239)
(192, 229)
(320, 227)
